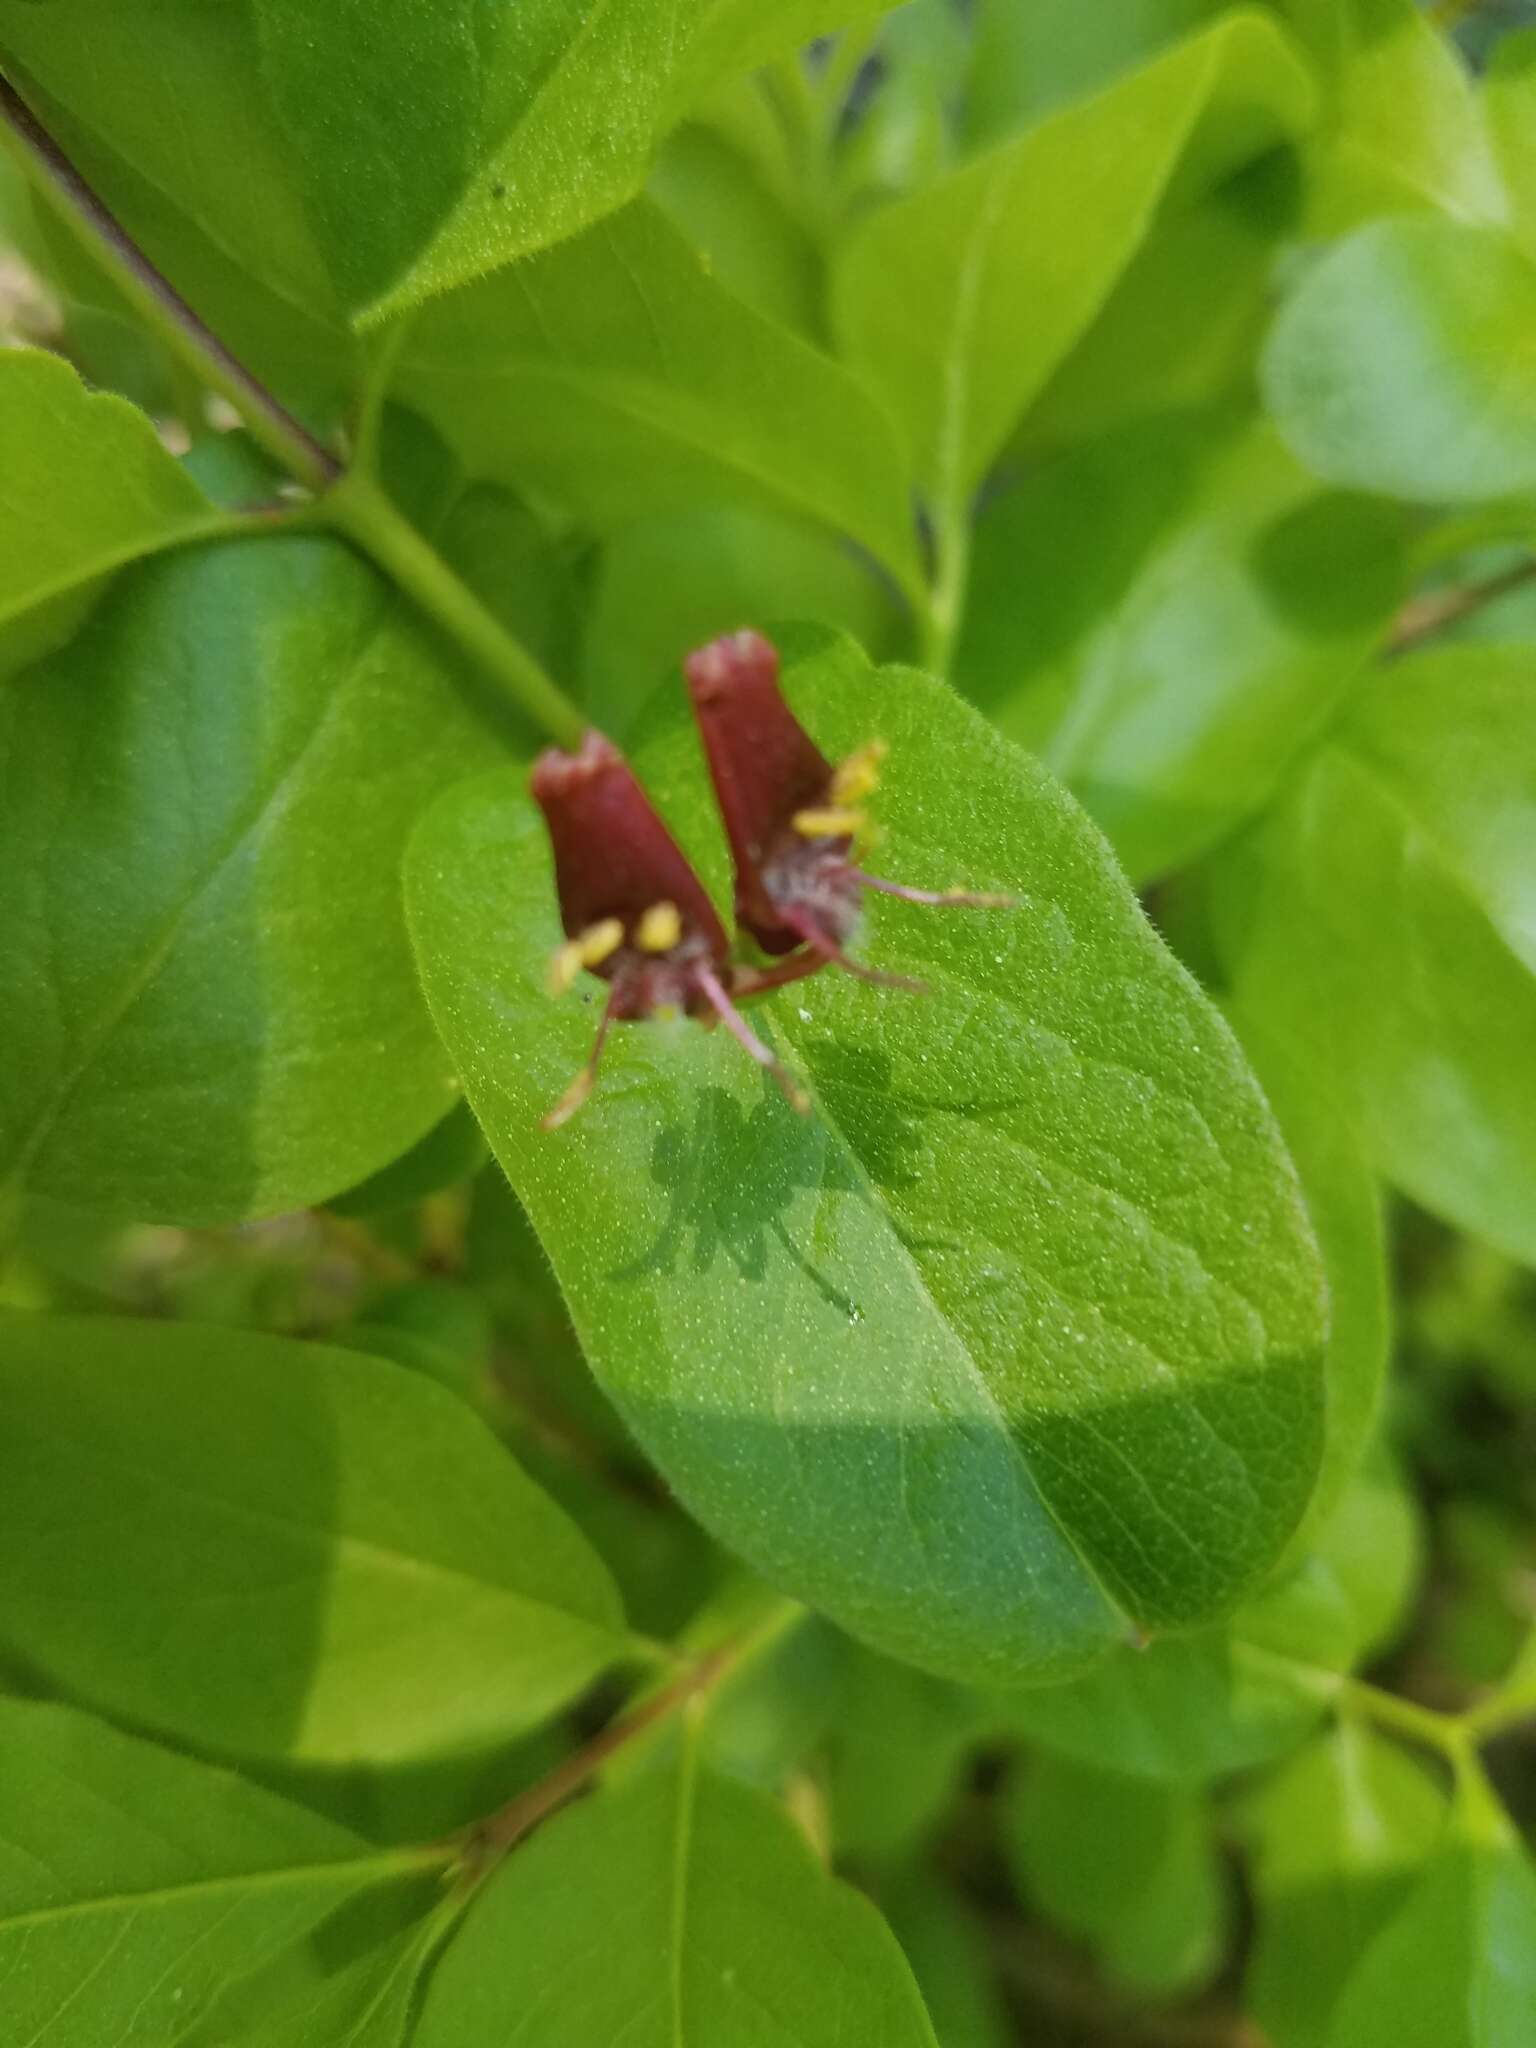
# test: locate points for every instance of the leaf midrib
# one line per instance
(332, 1542)
(627, 394)
(397, 1862)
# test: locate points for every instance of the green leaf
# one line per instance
(282, 139)
(1456, 1967)
(1402, 364)
(672, 582)
(1127, 1865)
(275, 1548)
(681, 1911)
(748, 234)
(1404, 123)
(213, 1011)
(1338, 1838)
(615, 376)
(896, 1752)
(1373, 1545)
(1167, 615)
(141, 1891)
(1024, 1320)
(1012, 256)
(574, 98)
(1031, 59)
(88, 488)
(1510, 95)
(356, 1983)
(952, 1961)
(452, 1151)
(1383, 919)
(1182, 328)
(1344, 1203)
(1190, 1708)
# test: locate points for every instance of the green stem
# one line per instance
(490, 1839)
(1444, 1733)
(349, 502)
(356, 507)
(950, 586)
(191, 340)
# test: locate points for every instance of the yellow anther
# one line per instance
(660, 929)
(591, 949)
(829, 824)
(564, 966)
(859, 776)
(600, 941)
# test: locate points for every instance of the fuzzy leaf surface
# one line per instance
(1024, 1321)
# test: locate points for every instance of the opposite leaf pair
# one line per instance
(636, 914)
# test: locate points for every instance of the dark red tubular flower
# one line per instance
(791, 817)
(634, 911)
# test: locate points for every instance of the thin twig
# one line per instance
(493, 1837)
(1422, 618)
(269, 420)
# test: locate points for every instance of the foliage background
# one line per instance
(1042, 1551)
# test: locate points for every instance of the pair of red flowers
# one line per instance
(636, 914)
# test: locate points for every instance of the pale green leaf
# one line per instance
(1456, 1967)
(1127, 1865)
(1338, 1838)
(1031, 59)
(1511, 101)
(140, 1890)
(1383, 919)
(1404, 125)
(88, 487)
(212, 1008)
(279, 138)
(1182, 328)
(615, 376)
(678, 580)
(960, 301)
(947, 1945)
(1166, 616)
(1404, 363)
(679, 1911)
(274, 1548)
(1344, 1203)
(1024, 1320)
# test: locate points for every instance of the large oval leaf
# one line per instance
(1012, 1347)
(211, 1011)
(718, 1926)
(275, 1548)
(147, 1897)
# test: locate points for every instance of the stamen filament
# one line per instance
(965, 899)
(714, 993)
(581, 1088)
